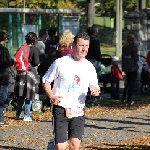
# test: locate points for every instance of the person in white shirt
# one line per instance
(72, 76)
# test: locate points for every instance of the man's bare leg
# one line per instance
(60, 146)
(74, 143)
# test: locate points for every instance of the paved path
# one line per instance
(117, 127)
(110, 128)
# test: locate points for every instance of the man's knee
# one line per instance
(60, 146)
(74, 143)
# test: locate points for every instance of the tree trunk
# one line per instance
(91, 12)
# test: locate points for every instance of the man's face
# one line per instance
(81, 48)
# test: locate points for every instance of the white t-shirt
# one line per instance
(71, 80)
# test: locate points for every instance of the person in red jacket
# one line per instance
(148, 62)
(116, 75)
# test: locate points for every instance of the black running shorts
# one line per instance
(65, 128)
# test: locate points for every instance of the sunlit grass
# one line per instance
(108, 50)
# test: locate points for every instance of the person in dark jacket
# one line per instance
(52, 56)
(130, 67)
(53, 38)
(116, 75)
(94, 52)
(27, 82)
(5, 63)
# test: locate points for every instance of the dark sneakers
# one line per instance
(128, 103)
(131, 103)
(3, 123)
(123, 101)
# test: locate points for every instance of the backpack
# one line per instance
(129, 64)
(21, 61)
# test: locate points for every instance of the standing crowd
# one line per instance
(66, 67)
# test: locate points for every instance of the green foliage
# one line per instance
(129, 5)
(148, 4)
(3, 3)
(108, 8)
(66, 4)
(52, 4)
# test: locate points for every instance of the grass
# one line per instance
(108, 50)
(106, 22)
(103, 21)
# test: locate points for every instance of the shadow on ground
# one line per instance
(118, 147)
(13, 148)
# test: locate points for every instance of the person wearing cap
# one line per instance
(116, 75)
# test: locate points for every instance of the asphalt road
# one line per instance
(109, 128)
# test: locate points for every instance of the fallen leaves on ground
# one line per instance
(131, 144)
(135, 144)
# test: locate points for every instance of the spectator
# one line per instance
(52, 56)
(88, 30)
(40, 44)
(65, 43)
(53, 38)
(27, 82)
(5, 63)
(116, 75)
(130, 67)
(94, 53)
(72, 75)
(148, 61)
(47, 63)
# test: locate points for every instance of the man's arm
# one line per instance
(48, 90)
(48, 78)
(5, 58)
(54, 99)
(36, 59)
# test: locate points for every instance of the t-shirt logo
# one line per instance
(76, 79)
(75, 85)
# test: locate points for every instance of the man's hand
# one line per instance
(94, 91)
(55, 99)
